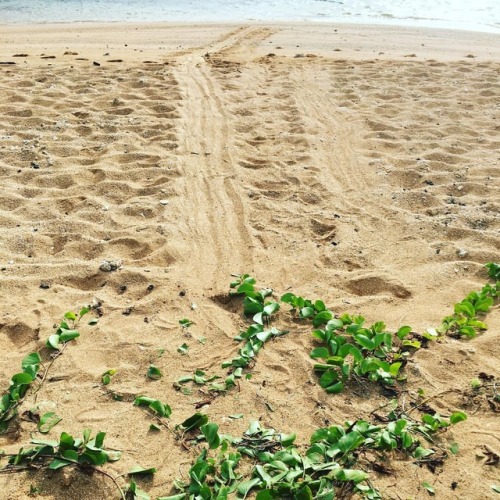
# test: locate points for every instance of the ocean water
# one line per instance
(475, 15)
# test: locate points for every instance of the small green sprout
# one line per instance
(154, 373)
(106, 376)
(156, 406)
(183, 349)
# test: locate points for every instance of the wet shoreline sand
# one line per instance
(353, 40)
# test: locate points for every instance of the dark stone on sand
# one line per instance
(110, 265)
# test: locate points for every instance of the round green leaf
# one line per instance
(458, 416)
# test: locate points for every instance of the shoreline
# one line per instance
(356, 41)
(492, 30)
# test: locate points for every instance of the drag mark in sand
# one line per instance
(218, 217)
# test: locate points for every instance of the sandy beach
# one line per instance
(354, 164)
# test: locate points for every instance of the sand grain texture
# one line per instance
(346, 175)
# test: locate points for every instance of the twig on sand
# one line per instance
(425, 401)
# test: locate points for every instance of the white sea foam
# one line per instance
(479, 15)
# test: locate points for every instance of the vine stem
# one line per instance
(104, 473)
(45, 373)
(12, 470)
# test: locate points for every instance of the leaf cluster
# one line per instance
(199, 377)
(159, 409)
(350, 349)
(330, 464)
(255, 337)
(82, 452)
(330, 467)
(465, 322)
(316, 311)
(19, 384)
(254, 301)
(210, 478)
(290, 474)
(258, 442)
(66, 330)
(192, 423)
(401, 434)
(280, 470)
(493, 270)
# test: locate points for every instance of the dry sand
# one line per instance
(355, 174)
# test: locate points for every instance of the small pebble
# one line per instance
(467, 352)
(164, 202)
(44, 285)
(462, 253)
(110, 265)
